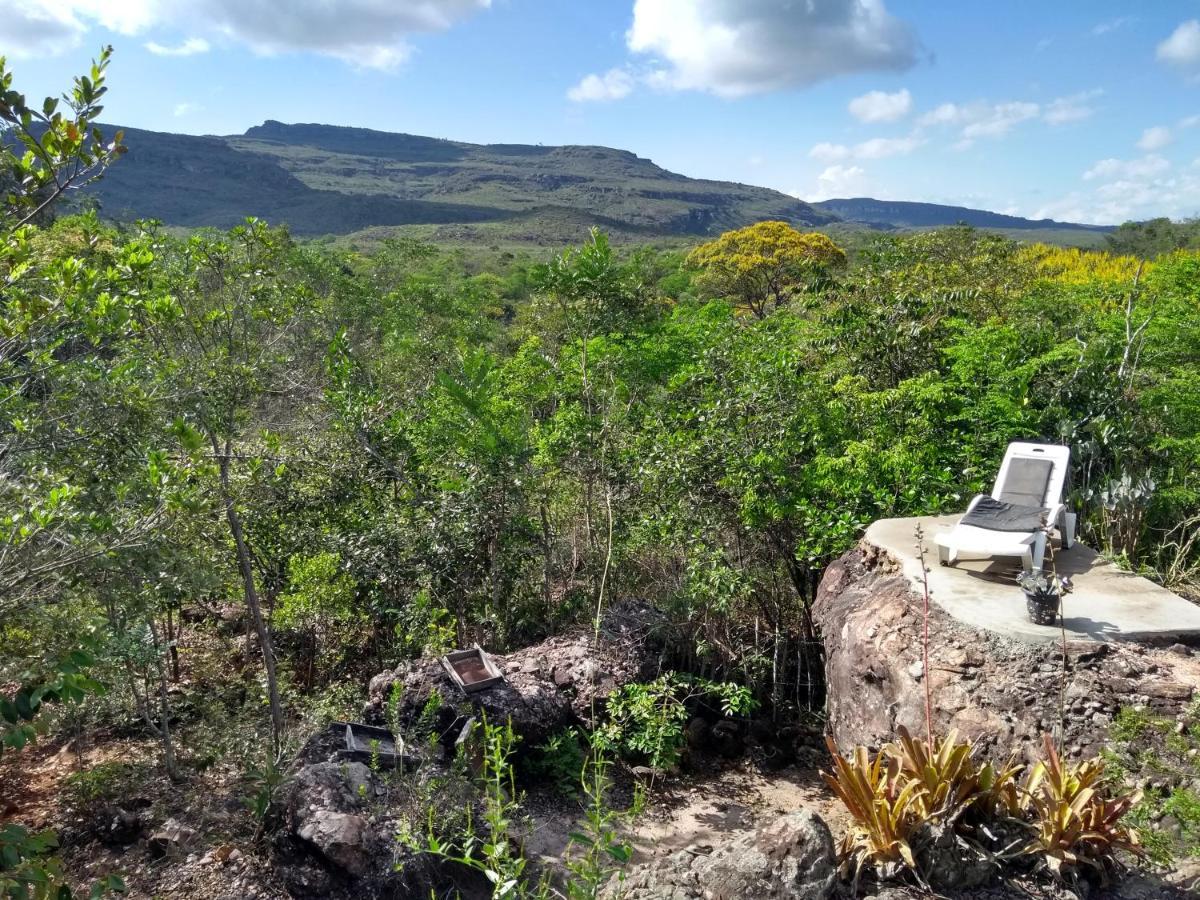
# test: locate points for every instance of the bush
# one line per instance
(647, 720)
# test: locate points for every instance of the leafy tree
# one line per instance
(233, 361)
(763, 266)
(66, 309)
(62, 152)
(1154, 237)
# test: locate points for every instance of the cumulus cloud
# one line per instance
(190, 47)
(612, 85)
(1182, 48)
(364, 33)
(838, 181)
(1144, 167)
(877, 106)
(876, 148)
(184, 109)
(736, 47)
(1131, 197)
(1154, 138)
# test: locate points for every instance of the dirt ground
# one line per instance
(703, 809)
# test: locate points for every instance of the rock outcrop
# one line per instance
(791, 858)
(547, 686)
(1000, 692)
(335, 825)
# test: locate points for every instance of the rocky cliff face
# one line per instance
(1001, 692)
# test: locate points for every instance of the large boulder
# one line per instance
(546, 686)
(324, 806)
(1003, 693)
(791, 858)
(335, 833)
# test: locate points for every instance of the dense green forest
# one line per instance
(366, 458)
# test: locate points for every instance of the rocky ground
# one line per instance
(748, 814)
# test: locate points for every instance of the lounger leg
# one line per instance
(1027, 560)
(1068, 530)
(944, 554)
(1038, 552)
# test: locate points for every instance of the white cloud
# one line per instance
(1145, 167)
(1073, 108)
(190, 47)
(736, 47)
(35, 29)
(945, 114)
(985, 119)
(184, 109)
(1112, 25)
(877, 106)
(875, 148)
(1189, 122)
(1000, 119)
(878, 148)
(981, 119)
(612, 85)
(1154, 138)
(828, 151)
(1183, 46)
(838, 181)
(364, 33)
(1130, 196)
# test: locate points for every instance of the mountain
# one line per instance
(900, 214)
(322, 179)
(329, 180)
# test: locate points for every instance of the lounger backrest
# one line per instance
(1032, 474)
(1027, 482)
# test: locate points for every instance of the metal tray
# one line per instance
(472, 670)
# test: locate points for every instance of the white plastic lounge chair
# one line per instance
(1029, 488)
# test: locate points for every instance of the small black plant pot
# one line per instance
(1042, 608)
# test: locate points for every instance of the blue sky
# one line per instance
(1086, 111)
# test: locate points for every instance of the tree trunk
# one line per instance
(164, 706)
(247, 572)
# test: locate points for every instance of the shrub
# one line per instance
(647, 720)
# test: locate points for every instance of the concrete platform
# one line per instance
(1107, 604)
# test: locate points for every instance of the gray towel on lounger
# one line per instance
(997, 515)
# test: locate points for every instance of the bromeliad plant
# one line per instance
(883, 802)
(911, 791)
(946, 773)
(1075, 822)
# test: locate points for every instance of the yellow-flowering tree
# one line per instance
(763, 266)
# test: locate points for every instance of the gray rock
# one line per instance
(547, 686)
(172, 838)
(323, 807)
(791, 858)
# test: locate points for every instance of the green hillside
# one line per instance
(362, 185)
(321, 179)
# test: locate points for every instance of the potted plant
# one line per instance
(1043, 596)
